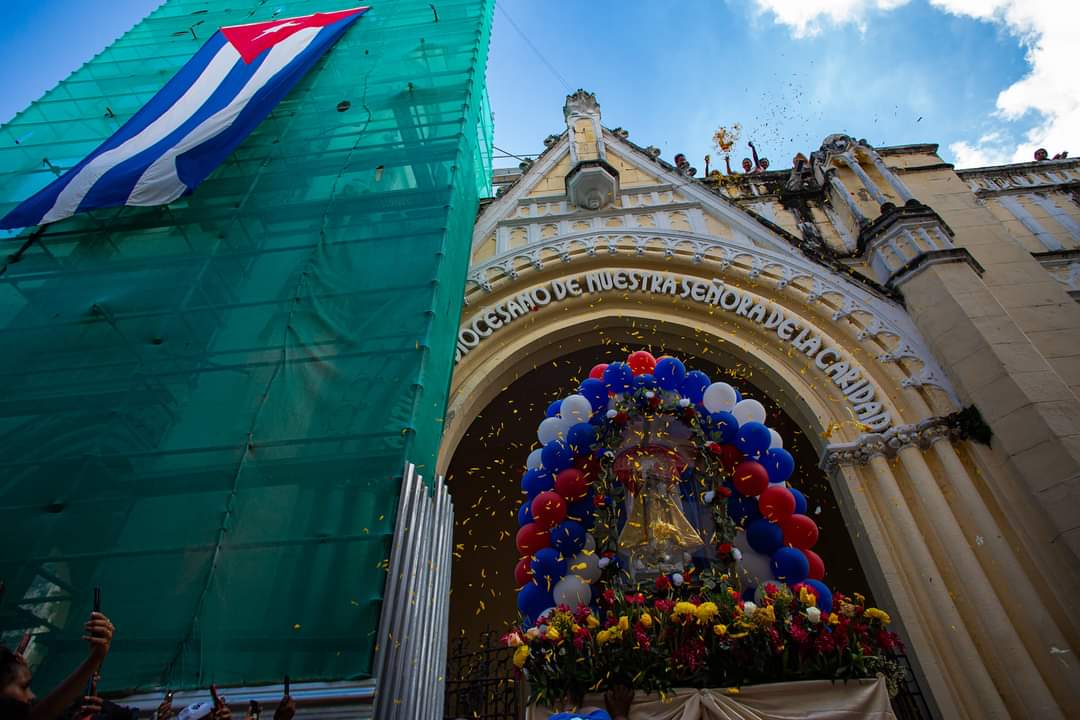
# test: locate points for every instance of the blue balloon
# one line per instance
(669, 373)
(581, 438)
(618, 377)
(789, 565)
(725, 425)
(646, 381)
(824, 595)
(594, 391)
(556, 456)
(549, 567)
(693, 386)
(536, 481)
(753, 439)
(583, 511)
(525, 514)
(766, 537)
(738, 395)
(800, 501)
(554, 408)
(780, 464)
(749, 593)
(568, 537)
(533, 600)
(742, 510)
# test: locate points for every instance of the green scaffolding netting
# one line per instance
(207, 407)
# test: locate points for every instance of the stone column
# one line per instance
(853, 164)
(972, 688)
(1014, 673)
(890, 177)
(1038, 629)
(840, 189)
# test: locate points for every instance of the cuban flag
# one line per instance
(204, 112)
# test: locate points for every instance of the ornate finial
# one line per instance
(581, 103)
(621, 132)
(551, 140)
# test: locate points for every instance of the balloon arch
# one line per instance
(662, 546)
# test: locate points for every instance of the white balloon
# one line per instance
(533, 462)
(749, 411)
(552, 428)
(719, 397)
(576, 409)
(586, 565)
(755, 563)
(777, 441)
(572, 591)
(590, 542)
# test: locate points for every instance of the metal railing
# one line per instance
(480, 680)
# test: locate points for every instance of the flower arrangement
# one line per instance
(702, 636)
(619, 588)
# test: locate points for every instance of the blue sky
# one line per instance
(790, 72)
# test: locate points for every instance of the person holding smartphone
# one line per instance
(17, 699)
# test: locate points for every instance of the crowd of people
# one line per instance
(76, 697)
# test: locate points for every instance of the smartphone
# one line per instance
(97, 599)
(286, 686)
(23, 644)
(168, 696)
(254, 709)
(91, 686)
(215, 696)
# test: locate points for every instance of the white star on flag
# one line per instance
(276, 28)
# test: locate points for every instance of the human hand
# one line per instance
(221, 712)
(617, 701)
(164, 710)
(285, 709)
(91, 706)
(99, 634)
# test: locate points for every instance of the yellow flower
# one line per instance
(684, 608)
(604, 636)
(553, 634)
(859, 598)
(765, 615)
(807, 597)
(719, 630)
(833, 619)
(741, 631)
(624, 623)
(520, 656)
(592, 622)
(877, 614)
(646, 620)
(706, 612)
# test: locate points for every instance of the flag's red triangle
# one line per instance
(255, 38)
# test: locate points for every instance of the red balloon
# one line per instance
(750, 478)
(641, 362)
(817, 565)
(548, 509)
(730, 456)
(572, 485)
(776, 503)
(531, 538)
(800, 531)
(597, 373)
(523, 571)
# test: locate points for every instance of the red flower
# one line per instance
(715, 448)
(689, 412)
(664, 606)
(636, 599)
(598, 501)
(724, 549)
(609, 597)
(641, 637)
(663, 583)
(723, 491)
(798, 633)
(621, 418)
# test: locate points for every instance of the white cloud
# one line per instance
(1046, 28)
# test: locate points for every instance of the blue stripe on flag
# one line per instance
(30, 211)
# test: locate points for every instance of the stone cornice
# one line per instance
(922, 435)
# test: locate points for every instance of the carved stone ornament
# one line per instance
(922, 435)
(581, 102)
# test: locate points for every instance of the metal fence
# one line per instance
(411, 652)
(480, 680)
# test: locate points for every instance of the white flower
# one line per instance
(813, 615)
(611, 413)
(709, 497)
(749, 609)
(604, 562)
(677, 579)
(737, 554)
(684, 402)
(650, 394)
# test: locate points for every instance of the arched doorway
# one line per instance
(484, 474)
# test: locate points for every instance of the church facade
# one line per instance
(918, 323)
